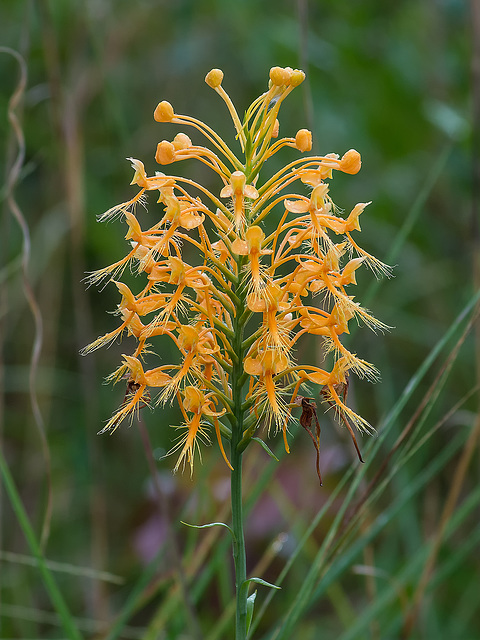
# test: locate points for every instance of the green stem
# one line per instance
(239, 556)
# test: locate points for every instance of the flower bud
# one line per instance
(296, 78)
(276, 127)
(165, 152)
(351, 162)
(279, 76)
(164, 112)
(237, 180)
(214, 78)
(254, 237)
(303, 140)
(181, 141)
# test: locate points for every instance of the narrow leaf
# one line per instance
(260, 581)
(208, 526)
(265, 446)
(250, 607)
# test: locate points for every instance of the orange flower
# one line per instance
(139, 380)
(265, 366)
(238, 190)
(199, 404)
(252, 247)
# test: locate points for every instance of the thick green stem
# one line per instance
(239, 556)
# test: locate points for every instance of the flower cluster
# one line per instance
(237, 314)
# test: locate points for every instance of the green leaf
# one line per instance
(265, 446)
(208, 526)
(250, 607)
(260, 581)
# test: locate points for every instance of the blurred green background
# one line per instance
(392, 80)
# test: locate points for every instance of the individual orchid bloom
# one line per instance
(318, 206)
(130, 308)
(158, 182)
(327, 278)
(321, 323)
(178, 213)
(199, 404)
(270, 302)
(142, 305)
(252, 247)
(143, 332)
(176, 272)
(192, 342)
(317, 202)
(331, 326)
(332, 382)
(315, 272)
(266, 365)
(341, 225)
(238, 190)
(221, 252)
(345, 227)
(138, 239)
(347, 275)
(324, 276)
(137, 394)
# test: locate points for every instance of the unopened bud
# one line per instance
(296, 78)
(351, 162)
(237, 180)
(165, 152)
(303, 140)
(279, 76)
(275, 129)
(254, 237)
(214, 78)
(164, 112)
(181, 141)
